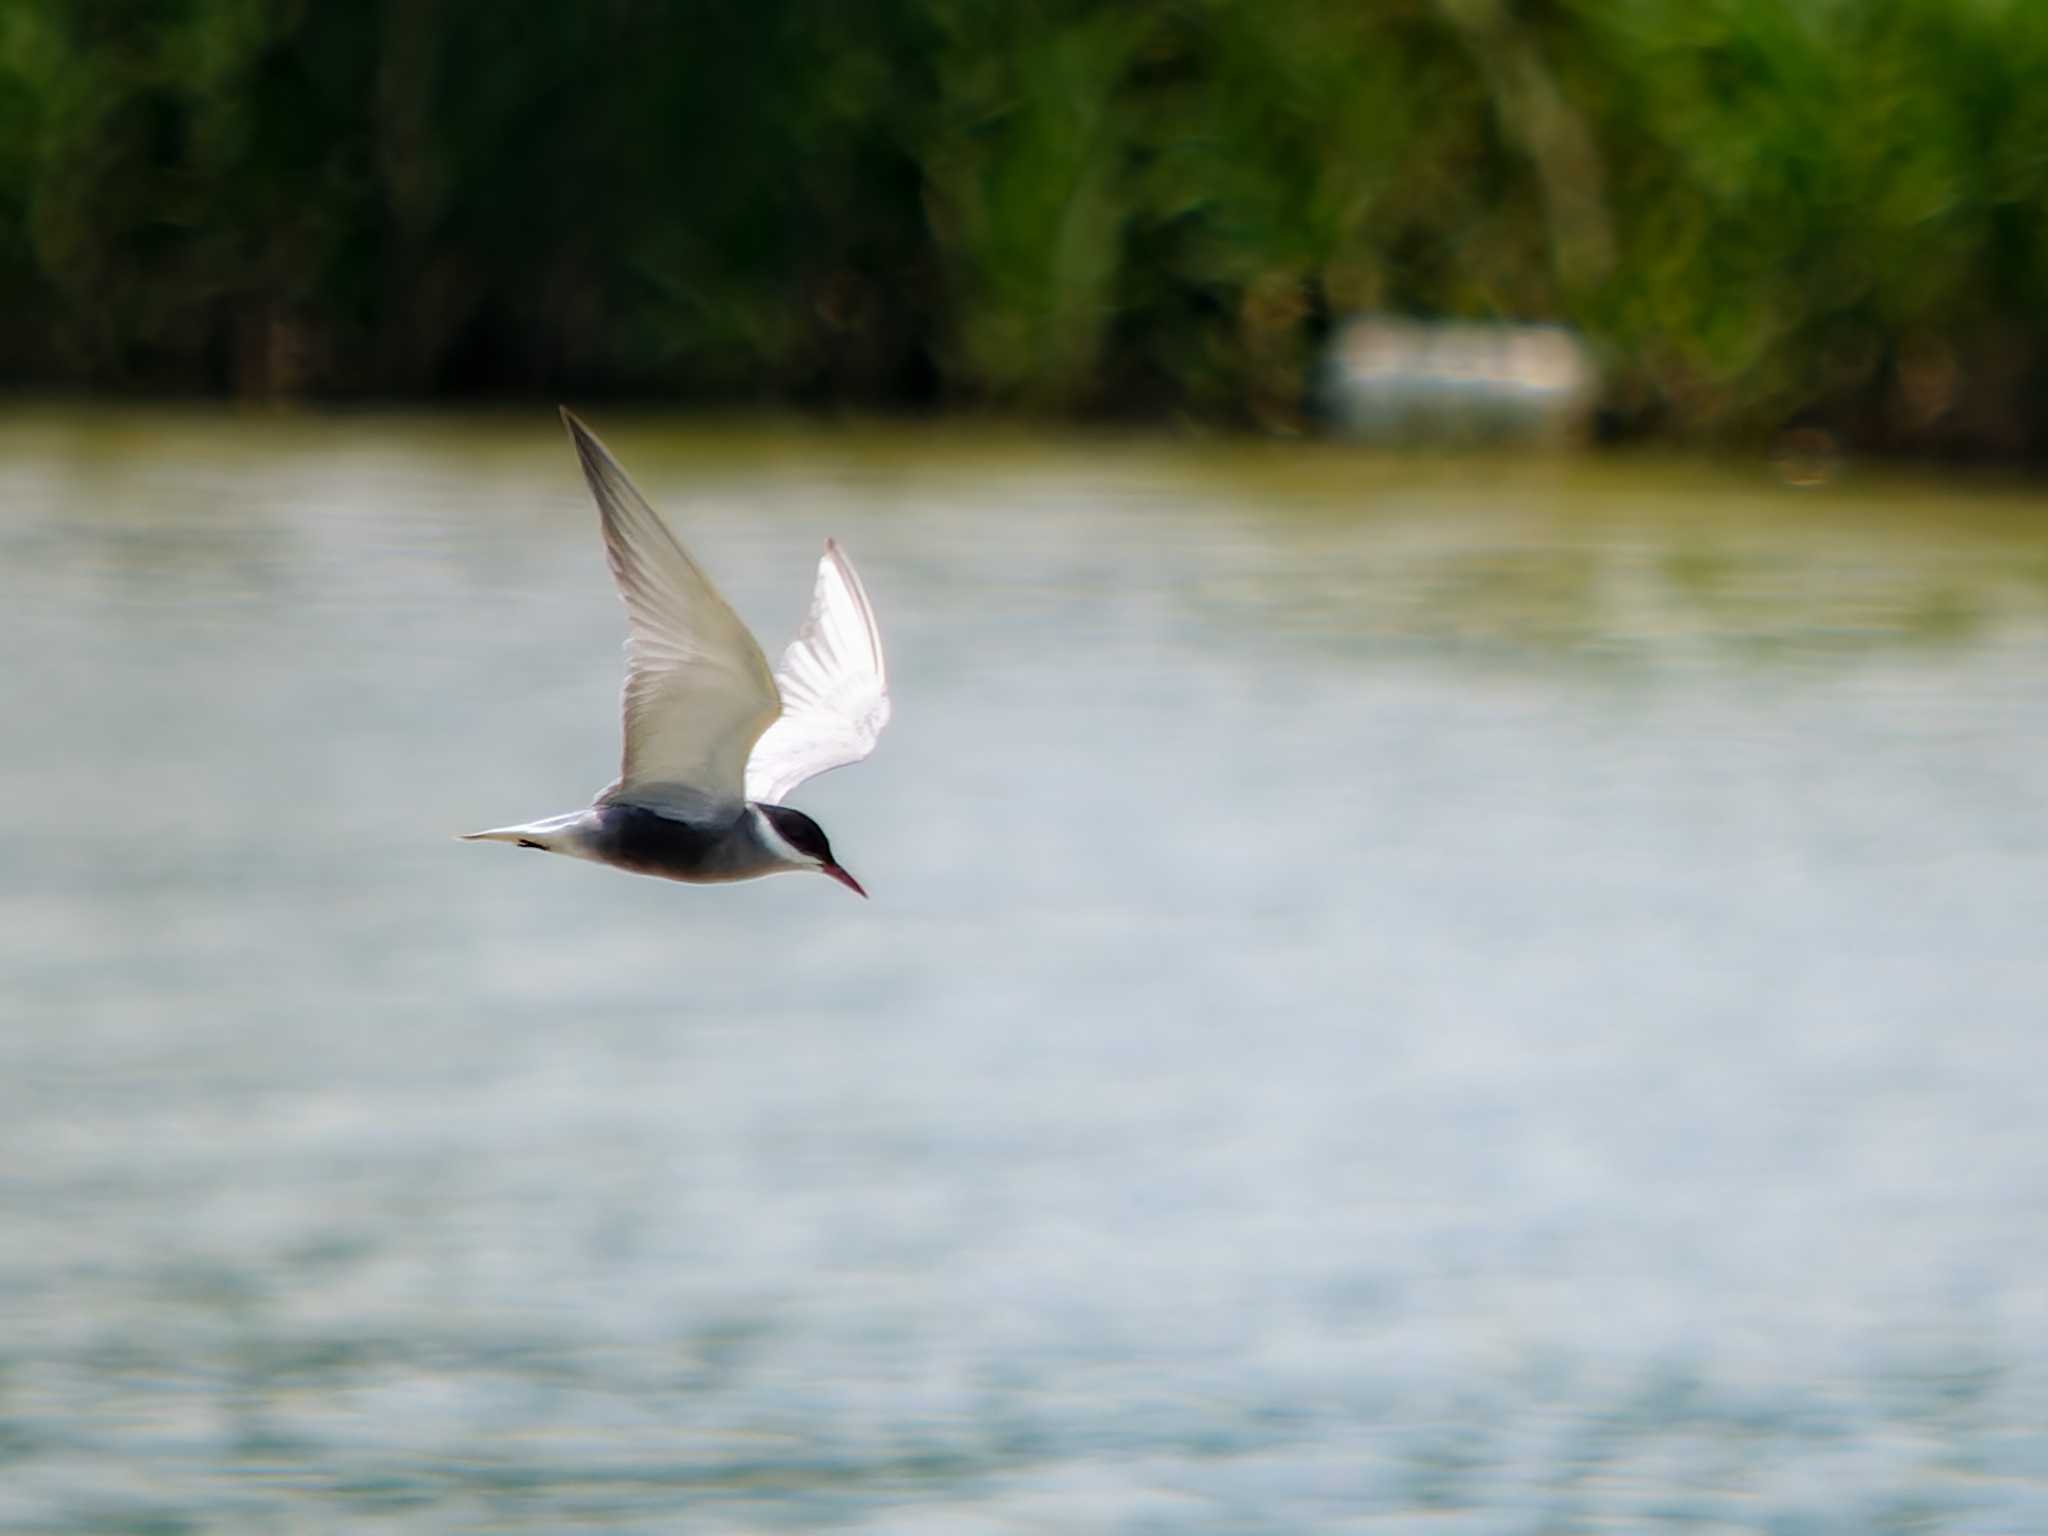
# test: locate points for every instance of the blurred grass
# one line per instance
(1765, 214)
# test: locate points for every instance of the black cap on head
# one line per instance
(808, 839)
(800, 832)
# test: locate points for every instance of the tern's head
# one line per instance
(801, 844)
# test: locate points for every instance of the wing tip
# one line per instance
(837, 557)
(589, 448)
(610, 486)
(857, 589)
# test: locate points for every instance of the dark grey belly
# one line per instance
(649, 843)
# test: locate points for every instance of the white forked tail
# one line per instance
(504, 835)
(556, 834)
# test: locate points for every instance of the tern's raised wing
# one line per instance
(835, 690)
(698, 690)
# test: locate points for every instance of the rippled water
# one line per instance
(1399, 996)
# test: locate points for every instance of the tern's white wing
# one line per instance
(835, 691)
(698, 690)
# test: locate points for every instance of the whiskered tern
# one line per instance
(714, 740)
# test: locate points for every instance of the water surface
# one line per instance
(1400, 995)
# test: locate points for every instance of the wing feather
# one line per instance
(698, 690)
(834, 687)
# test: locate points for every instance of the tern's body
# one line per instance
(725, 843)
(713, 740)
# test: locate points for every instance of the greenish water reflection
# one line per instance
(1497, 993)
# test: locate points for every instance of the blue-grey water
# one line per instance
(1498, 997)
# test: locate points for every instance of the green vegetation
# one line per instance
(1763, 212)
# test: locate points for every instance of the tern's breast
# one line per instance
(649, 843)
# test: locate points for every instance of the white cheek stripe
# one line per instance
(781, 845)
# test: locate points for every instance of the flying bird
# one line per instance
(714, 740)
